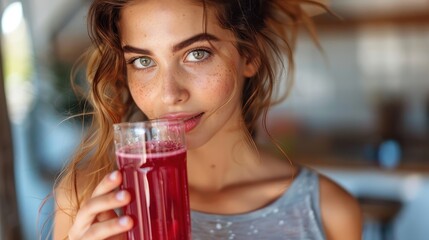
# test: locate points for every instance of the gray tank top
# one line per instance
(293, 216)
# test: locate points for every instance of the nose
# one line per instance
(174, 88)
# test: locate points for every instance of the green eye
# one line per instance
(143, 62)
(197, 55)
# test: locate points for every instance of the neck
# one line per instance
(225, 160)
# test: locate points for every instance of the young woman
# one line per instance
(217, 65)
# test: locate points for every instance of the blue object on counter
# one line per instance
(389, 153)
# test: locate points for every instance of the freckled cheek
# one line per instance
(218, 82)
(142, 97)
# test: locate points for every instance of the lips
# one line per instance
(190, 121)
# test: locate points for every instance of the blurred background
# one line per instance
(358, 112)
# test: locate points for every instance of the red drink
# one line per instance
(157, 181)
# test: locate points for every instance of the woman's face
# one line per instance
(176, 69)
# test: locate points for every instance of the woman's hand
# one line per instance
(96, 219)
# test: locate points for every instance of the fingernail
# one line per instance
(114, 175)
(124, 220)
(120, 195)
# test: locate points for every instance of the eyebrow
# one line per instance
(197, 38)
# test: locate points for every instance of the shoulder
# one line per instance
(66, 204)
(63, 215)
(341, 213)
(69, 188)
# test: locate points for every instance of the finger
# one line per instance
(120, 195)
(94, 206)
(102, 204)
(108, 184)
(106, 229)
(104, 216)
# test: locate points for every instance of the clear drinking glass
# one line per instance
(151, 156)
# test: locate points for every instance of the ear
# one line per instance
(251, 66)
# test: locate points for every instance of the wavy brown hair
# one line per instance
(265, 31)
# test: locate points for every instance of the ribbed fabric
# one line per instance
(295, 215)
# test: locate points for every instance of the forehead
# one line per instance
(145, 12)
(142, 22)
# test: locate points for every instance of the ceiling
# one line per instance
(59, 27)
(373, 8)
